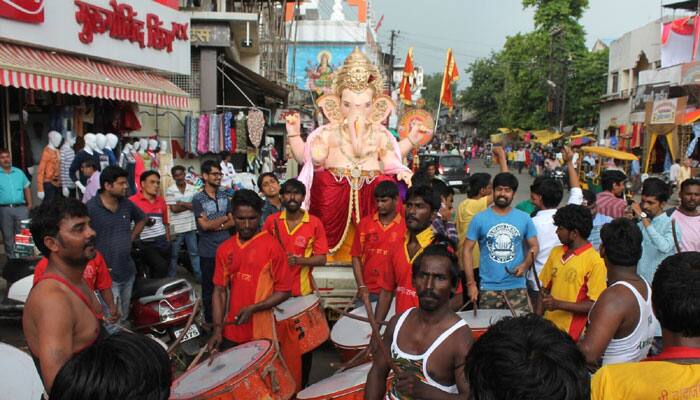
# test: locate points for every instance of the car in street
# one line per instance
(451, 169)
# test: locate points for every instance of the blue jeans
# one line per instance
(190, 239)
(122, 296)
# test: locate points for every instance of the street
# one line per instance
(324, 357)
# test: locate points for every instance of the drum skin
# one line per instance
(310, 323)
(484, 319)
(346, 385)
(350, 336)
(265, 378)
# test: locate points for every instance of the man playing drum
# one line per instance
(422, 205)
(304, 239)
(430, 343)
(254, 267)
(376, 235)
(62, 315)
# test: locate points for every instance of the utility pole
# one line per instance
(394, 34)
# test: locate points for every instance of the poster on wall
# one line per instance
(313, 67)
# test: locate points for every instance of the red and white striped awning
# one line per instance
(30, 68)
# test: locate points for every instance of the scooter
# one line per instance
(19, 275)
(163, 308)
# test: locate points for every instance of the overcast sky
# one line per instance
(473, 28)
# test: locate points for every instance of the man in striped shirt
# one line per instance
(155, 238)
(611, 201)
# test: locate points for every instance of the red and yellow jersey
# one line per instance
(398, 274)
(96, 274)
(253, 270)
(579, 277)
(305, 240)
(372, 244)
(655, 378)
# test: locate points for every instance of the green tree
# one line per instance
(555, 51)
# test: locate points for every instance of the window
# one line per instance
(615, 84)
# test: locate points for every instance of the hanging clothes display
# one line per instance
(214, 121)
(221, 133)
(241, 139)
(153, 159)
(203, 135)
(228, 116)
(194, 127)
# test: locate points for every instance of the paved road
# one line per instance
(324, 357)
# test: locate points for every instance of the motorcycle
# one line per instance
(487, 160)
(167, 310)
(558, 175)
(19, 275)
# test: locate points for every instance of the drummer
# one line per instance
(422, 205)
(254, 267)
(375, 236)
(62, 316)
(304, 239)
(431, 333)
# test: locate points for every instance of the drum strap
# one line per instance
(675, 237)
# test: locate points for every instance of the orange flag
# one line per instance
(450, 76)
(405, 87)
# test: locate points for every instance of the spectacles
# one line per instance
(215, 173)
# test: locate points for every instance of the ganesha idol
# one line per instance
(345, 159)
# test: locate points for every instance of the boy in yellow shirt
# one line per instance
(574, 275)
(675, 372)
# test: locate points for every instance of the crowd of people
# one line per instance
(594, 286)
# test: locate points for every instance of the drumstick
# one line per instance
(377, 336)
(510, 307)
(475, 309)
(357, 317)
(187, 327)
(197, 358)
(356, 360)
(534, 272)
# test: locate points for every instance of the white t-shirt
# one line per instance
(547, 238)
(687, 231)
(183, 221)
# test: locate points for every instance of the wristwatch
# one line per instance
(643, 215)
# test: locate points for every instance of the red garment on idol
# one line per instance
(330, 202)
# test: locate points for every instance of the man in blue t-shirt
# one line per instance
(508, 240)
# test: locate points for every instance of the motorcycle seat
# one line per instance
(149, 287)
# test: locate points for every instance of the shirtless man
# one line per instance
(62, 315)
(428, 344)
(621, 324)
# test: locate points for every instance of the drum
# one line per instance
(250, 371)
(484, 318)
(19, 378)
(307, 316)
(351, 336)
(346, 385)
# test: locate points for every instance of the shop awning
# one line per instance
(30, 68)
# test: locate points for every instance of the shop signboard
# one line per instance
(664, 112)
(28, 11)
(139, 33)
(690, 74)
(211, 35)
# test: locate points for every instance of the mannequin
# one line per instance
(67, 156)
(152, 152)
(165, 163)
(112, 141)
(101, 144)
(128, 162)
(49, 175)
(89, 151)
(143, 160)
(228, 171)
